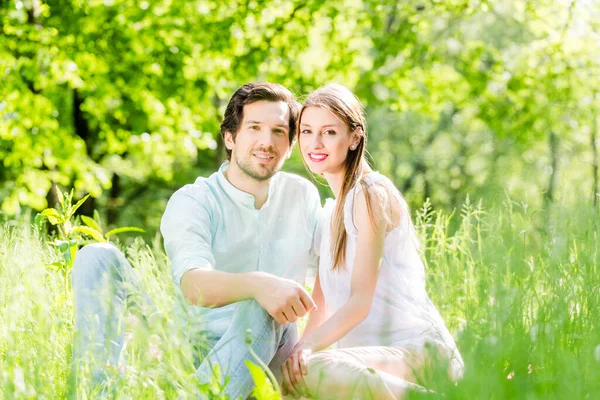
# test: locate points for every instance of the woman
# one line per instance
(370, 286)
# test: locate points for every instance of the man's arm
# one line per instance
(210, 288)
(284, 299)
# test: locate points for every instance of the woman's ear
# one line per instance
(357, 136)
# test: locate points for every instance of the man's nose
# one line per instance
(267, 138)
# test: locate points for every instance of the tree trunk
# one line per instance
(51, 197)
(82, 129)
(87, 208)
(553, 143)
(80, 124)
(113, 201)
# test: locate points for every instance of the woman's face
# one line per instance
(324, 140)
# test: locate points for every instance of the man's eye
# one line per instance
(254, 127)
(279, 132)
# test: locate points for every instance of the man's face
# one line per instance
(262, 142)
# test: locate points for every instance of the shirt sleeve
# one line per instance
(186, 230)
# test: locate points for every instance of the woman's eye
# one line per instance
(254, 127)
(305, 132)
(329, 132)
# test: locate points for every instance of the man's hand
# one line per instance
(293, 371)
(284, 299)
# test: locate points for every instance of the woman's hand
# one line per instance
(294, 369)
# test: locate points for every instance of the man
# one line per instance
(239, 243)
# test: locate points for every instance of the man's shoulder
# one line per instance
(292, 180)
(295, 187)
(202, 189)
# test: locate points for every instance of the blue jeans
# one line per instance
(105, 286)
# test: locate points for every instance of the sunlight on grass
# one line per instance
(518, 287)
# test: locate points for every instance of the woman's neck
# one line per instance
(335, 180)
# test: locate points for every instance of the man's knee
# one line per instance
(252, 311)
(250, 315)
(96, 259)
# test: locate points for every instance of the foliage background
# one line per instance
(123, 99)
(487, 108)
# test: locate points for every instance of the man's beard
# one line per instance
(256, 173)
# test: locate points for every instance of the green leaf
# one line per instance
(68, 252)
(63, 246)
(97, 219)
(86, 230)
(38, 222)
(116, 231)
(54, 217)
(91, 223)
(77, 205)
(60, 197)
(264, 389)
(56, 266)
(73, 253)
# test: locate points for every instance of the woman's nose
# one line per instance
(317, 141)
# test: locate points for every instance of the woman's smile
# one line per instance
(317, 157)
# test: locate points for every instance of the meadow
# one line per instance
(497, 100)
(518, 287)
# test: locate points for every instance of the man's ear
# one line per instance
(229, 141)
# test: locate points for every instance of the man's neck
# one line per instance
(258, 189)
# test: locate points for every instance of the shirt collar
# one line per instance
(239, 195)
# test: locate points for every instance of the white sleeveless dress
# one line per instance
(401, 314)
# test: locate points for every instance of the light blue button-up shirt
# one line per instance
(213, 225)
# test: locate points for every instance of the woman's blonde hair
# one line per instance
(346, 106)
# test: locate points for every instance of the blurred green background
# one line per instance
(489, 109)
(123, 99)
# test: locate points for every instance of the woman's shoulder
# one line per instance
(375, 192)
(383, 197)
(378, 188)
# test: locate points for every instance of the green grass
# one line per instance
(519, 288)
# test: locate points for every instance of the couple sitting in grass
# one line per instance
(241, 240)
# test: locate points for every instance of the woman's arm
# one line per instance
(369, 252)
